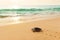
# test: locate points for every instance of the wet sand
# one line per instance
(23, 31)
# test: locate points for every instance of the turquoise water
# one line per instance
(29, 14)
(32, 10)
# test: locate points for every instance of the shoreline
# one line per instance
(18, 21)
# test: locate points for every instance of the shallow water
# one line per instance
(8, 16)
(24, 19)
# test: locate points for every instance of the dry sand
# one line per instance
(23, 31)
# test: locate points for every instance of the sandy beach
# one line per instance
(23, 31)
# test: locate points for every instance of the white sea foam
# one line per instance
(24, 19)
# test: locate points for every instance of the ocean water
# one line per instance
(42, 10)
(22, 15)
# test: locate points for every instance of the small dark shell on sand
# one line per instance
(36, 29)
